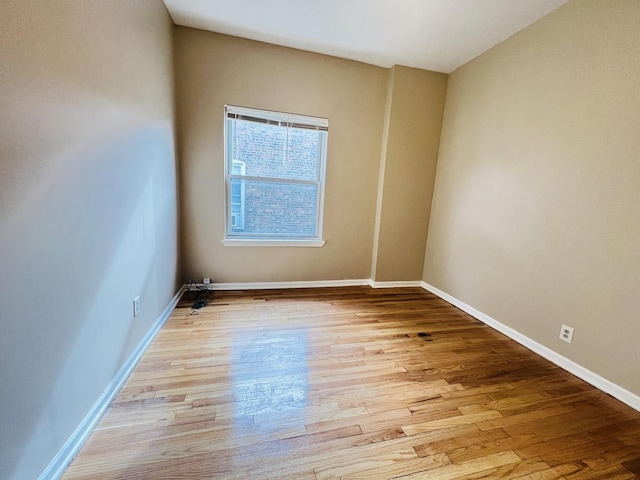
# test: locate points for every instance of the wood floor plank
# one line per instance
(472, 467)
(418, 465)
(527, 469)
(351, 383)
(451, 422)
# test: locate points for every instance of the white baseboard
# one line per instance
(416, 283)
(307, 284)
(60, 462)
(274, 285)
(579, 371)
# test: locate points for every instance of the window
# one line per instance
(274, 173)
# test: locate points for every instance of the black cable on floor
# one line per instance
(200, 294)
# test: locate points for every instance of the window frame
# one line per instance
(285, 120)
(241, 164)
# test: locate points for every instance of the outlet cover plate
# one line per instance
(136, 306)
(566, 333)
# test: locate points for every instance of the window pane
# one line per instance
(262, 149)
(277, 209)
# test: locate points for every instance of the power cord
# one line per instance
(200, 295)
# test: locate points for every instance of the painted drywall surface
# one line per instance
(213, 70)
(535, 217)
(410, 155)
(88, 209)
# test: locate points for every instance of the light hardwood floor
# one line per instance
(352, 383)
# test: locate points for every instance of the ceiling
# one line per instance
(438, 35)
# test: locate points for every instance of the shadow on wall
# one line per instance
(94, 232)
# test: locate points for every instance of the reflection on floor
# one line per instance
(269, 373)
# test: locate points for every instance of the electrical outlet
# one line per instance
(566, 333)
(206, 280)
(136, 306)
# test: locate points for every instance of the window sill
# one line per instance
(238, 242)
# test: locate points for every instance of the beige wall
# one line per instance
(88, 209)
(536, 212)
(213, 70)
(415, 104)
